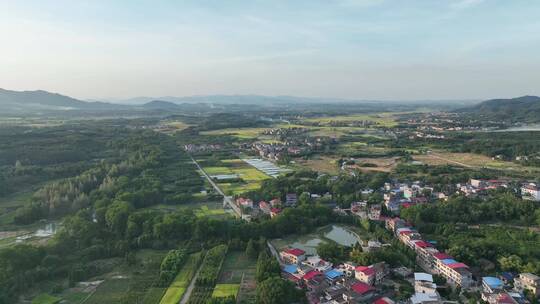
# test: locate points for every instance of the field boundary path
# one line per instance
(226, 199)
(189, 290)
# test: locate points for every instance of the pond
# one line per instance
(342, 236)
(309, 243)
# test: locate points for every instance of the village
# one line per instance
(347, 282)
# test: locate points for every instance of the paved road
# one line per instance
(189, 290)
(227, 199)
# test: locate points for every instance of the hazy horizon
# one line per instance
(350, 49)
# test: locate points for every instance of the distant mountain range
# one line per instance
(43, 102)
(32, 101)
(525, 109)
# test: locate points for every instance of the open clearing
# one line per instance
(323, 164)
(470, 160)
(382, 119)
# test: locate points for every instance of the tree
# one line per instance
(275, 291)
(267, 267)
(251, 249)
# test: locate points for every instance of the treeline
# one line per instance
(344, 188)
(481, 232)
(500, 206)
(507, 145)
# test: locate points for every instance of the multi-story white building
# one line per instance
(528, 281)
(531, 192)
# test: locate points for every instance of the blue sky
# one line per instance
(362, 49)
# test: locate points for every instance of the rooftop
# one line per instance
(296, 252)
(333, 274)
(361, 288)
(493, 282)
(421, 276)
(290, 269)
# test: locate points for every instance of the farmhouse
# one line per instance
(293, 256)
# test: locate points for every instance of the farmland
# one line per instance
(176, 290)
(248, 179)
(237, 277)
(208, 275)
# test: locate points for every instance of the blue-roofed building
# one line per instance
(290, 269)
(449, 261)
(492, 284)
(332, 276)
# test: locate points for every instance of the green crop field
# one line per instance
(45, 299)
(176, 290)
(110, 291)
(226, 290)
(237, 277)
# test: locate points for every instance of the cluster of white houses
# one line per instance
(403, 195)
(428, 257)
(334, 284)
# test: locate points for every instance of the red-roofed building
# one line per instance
(365, 274)
(442, 256)
(274, 212)
(455, 273)
(384, 300)
(244, 202)
(293, 256)
(265, 207)
(361, 288)
(457, 265)
(312, 274)
(359, 293)
(422, 244)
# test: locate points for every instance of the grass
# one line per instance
(242, 133)
(205, 211)
(110, 291)
(323, 164)
(45, 299)
(226, 290)
(176, 290)
(470, 160)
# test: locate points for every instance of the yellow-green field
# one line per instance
(243, 133)
(225, 290)
(382, 119)
(205, 211)
(251, 177)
